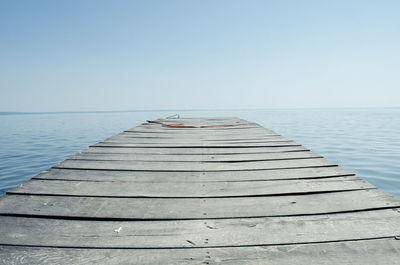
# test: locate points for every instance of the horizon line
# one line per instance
(163, 110)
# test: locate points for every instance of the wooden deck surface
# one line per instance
(198, 191)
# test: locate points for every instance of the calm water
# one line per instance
(366, 141)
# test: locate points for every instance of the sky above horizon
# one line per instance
(125, 55)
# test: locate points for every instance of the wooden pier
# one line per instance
(198, 191)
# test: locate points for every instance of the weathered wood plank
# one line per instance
(189, 190)
(200, 131)
(217, 176)
(150, 208)
(154, 125)
(195, 158)
(365, 252)
(158, 127)
(193, 166)
(199, 137)
(192, 141)
(198, 145)
(206, 137)
(199, 233)
(196, 151)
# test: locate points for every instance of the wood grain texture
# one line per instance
(189, 141)
(153, 208)
(190, 190)
(183, 177)
(205, 137)
(195, 158)
(365, 252)
(199, 233)
(196, 145)
(193, 166)
(193, 151)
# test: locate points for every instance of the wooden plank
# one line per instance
(189, 190)
(200, 126)
(198, 145)
(199, 233)
(193, 166)
(179, 209)
(365, 252)
(197, 131)
(197, 151)
(191, 141)
(218, 176)
(179, 142)
(195, 158)
(200, 134)
(203, 135)
(206, 137)
(196, 128)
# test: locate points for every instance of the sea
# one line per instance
(365, 141)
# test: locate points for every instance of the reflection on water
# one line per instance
(365, 141)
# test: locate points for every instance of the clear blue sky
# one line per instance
(124, 55)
